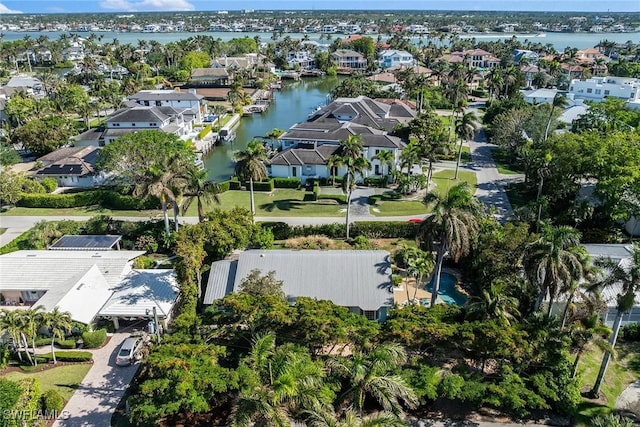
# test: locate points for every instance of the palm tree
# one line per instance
(449, 229)
(352, 158)
(218, 110)
(351, 418)
(385, 157)
(333, 163)
(199, 189)
(559, 101)
(250, 165)
(419, 266)
(276, 385)
(31, 321)
(11, 324)
(553, 261)
(493, 303)
(625, 275)
(466, 125)
(370, 374)
(59, 323)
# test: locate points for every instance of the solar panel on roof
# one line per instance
(97, 242)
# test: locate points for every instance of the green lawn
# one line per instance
(399, 208)
(79, 211)
(64, 379)
(622, 371)
(443, 180)
(281, 202)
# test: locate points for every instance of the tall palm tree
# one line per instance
(250, 165)
(626, 276)
(553, 261)
(59, 323)
(559, 101)
(352, 158)
(386, 158)
(351, 418)
(198, 188)
(370, 374)
(333, 164)
(420, 265)
(466, 124)
(450, 227)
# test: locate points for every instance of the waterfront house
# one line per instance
(307, 146)
(209, 77)
(395, 58)
(166, 119)
(357, 280)
(71, 167)
(349, 59)
(173, 98)
(475, 58)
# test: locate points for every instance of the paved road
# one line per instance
(468, 423)
(97, 397)
(490, 182)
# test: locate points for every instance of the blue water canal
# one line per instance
(292, 104)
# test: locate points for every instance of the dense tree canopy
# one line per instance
(42, 136)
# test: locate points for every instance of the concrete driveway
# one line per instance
(97, 397)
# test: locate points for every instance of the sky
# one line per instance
(71, 6)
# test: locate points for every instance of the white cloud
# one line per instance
(5, 9)
(147, 5)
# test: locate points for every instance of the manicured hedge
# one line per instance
(66, 344)
(66, 356)
(234, 184)
(316, 190)
(262, 185)
(340, 198)
(373, 229)
(94, 339)
(224, 186)
(286, 182)
(380, 182)
(204, 132)
(106, 198)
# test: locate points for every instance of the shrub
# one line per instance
(264, 238)
(204, 132)
(309, 242)
(263, 185)
(224, 186)
(147, 243)
(286, 182)
(30, 185)
(389, 230)
(66, 344)
(361, 242)
(66, 356)
(316, 190)
(94, 339)
(280, 230)
(479, 93)
(143, 263)
(631, 332)
(41, 342)
(49, 184)
(52, 401)
(106, 198)
(234, 184)
(373, 181)
(340, 198)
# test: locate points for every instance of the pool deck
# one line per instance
(400, 292)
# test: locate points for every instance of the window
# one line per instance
(377, 170)
(153, 124)
(158, 103)
(598, 91)
(371, 314)
(589, 90)
(377, 151)
(606, 92)
(133, 124)
(294, 171)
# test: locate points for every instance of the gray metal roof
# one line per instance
(44, 270)
(140, 291)
(348, 278)
(138, 114)
(165, 95)
(220, 283)
(85, 242)
(305, 156)
(616, 252)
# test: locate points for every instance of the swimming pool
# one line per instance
(447, 291)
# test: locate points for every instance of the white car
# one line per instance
(127, 354)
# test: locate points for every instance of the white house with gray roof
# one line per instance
(358, 280)
(89, 284)
(308, 145)
(166, 119)
(173, 98)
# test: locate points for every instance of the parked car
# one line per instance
(127, 354)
